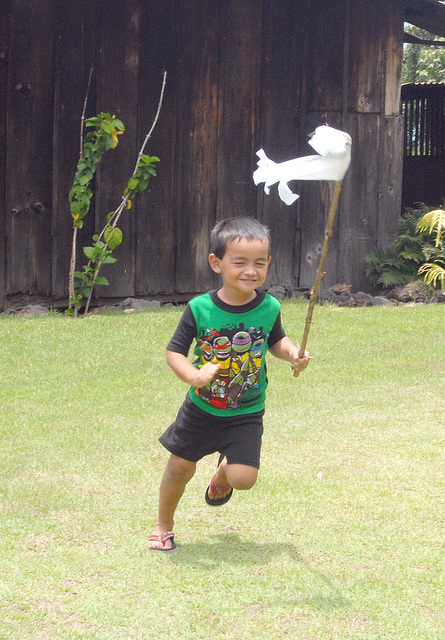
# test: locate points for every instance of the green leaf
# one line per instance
(84, 180)
(85, 196)
(107, 127)
(90, 252)
(108, 142)
(93, 122)
(113, 237)
(109, 260)
(77, 207)
(432, 273)
(148, 159)
(430, 220)
(133, 184)
(101, 280)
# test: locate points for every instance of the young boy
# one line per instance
(233, 327)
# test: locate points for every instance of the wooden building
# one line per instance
(242, 74)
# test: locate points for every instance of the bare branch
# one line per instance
(82, 119)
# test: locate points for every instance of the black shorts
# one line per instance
(196, 433)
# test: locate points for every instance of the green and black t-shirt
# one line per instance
(237, 338)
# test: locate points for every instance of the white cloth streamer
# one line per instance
(334, 147)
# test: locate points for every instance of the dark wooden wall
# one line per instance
(241, 74)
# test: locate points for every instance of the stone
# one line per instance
(328, 296)
(146, 304)
(341, 289)
(411, 292)
(438, 297)
(362, 299)
(127, 303)
(33, 310)
(382, 301)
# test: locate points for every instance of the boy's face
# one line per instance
(244, 265)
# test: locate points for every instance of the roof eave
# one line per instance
(426, 14)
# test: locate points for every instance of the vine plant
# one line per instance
(104, 137)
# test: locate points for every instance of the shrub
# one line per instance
(414, 251)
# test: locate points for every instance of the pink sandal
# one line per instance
(217, 491)
(162, 538)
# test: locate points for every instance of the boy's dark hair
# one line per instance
(231, 229)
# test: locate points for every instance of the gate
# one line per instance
(423, 106)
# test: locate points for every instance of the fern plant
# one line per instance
(388, 269)
(398, 265)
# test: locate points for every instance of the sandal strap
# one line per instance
(217, 491)
(162, 537)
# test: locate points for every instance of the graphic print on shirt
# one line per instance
(240, 352)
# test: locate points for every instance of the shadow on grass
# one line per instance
(229, 549)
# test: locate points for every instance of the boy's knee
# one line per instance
(241, 477)
(180, 469)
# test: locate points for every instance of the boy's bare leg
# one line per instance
(177, 474)
(238, 476)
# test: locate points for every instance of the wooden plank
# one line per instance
(155, 219)
(284, 42)
(390, 179)
(358, 218)
(394, 56)
(366, 56)
(240, 95)
(5, 8)
(29, 147)
(315, 202)
(324, 23)
(74, 55)
(197, 153)
(117, 80)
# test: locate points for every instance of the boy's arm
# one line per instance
(285, 349)
(190, 374)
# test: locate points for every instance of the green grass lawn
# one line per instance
(342, 537)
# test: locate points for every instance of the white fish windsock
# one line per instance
(334, 147)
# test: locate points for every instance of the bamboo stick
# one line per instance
(320, 270)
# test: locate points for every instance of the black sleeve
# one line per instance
(277, 332)
(185, 333)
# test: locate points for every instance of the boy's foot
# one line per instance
(216, 495)
(161, 540)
